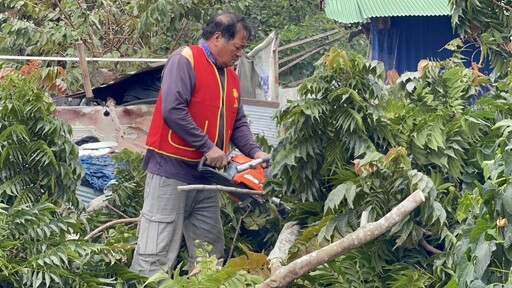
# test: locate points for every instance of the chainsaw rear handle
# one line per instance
(252, 164)
(201, 163)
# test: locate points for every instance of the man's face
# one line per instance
(228, 52)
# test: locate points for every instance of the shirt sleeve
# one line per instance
(178, 82)
(242, 136)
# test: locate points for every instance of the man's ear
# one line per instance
(217, 37)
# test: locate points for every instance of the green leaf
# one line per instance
(345, 190)
(285, 157)
(487, 165)
(157, 278)
(481, 226)
(467, 203)
(466, 274)
(483, 255)
(439, 213)
(452, 283)
(506, 199)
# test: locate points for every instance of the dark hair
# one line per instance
(227, 23)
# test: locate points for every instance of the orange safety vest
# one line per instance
(206, 107)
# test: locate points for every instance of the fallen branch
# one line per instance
(364, 218)
(363, 235)
(105, 226)
(219, 188)
(286, 238)
(429, 247)
(117, 211)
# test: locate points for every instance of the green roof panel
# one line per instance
(352, 11)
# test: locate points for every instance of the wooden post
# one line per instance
(85, 72)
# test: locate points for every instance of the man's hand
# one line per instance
(216, 158)
(260, 155)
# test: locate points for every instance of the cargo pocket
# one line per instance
(155, 234)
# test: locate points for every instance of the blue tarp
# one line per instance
(99, 170)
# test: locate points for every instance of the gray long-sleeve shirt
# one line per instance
(178, 83)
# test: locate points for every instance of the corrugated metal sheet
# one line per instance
(261, 122)
(352, 11)
(345, 11)
(86, 194)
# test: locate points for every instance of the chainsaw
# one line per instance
(240, 172)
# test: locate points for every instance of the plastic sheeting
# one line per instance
(258, 71)
(99, 170)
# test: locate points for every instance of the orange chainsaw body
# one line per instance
(253, 177)
(240, 172)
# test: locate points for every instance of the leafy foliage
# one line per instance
(38, 158)
(255, 227)
(210, 275)
(339, 106)
(127, 191)
(353, 144)
(149, 29)
(484, 215)
(41, 223)
(125, 28)
(41, 246)
(486, 24)
(350, 144)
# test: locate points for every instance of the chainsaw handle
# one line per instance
(201, 163)
(252, 164)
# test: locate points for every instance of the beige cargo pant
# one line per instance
(166, 216)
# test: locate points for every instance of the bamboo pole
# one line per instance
(310, 52)
(307, 40)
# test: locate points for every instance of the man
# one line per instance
(198, 112)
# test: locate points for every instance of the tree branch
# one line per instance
(117, 211)
(184, 25)
(219, 188)
(68, 20)
(66, 17)
(364, 218)
(105, 226)
(363, 235)
(428, 247)
(285, 240)
(237, 231)
(502, 5)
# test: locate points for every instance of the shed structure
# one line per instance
(402, 32)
